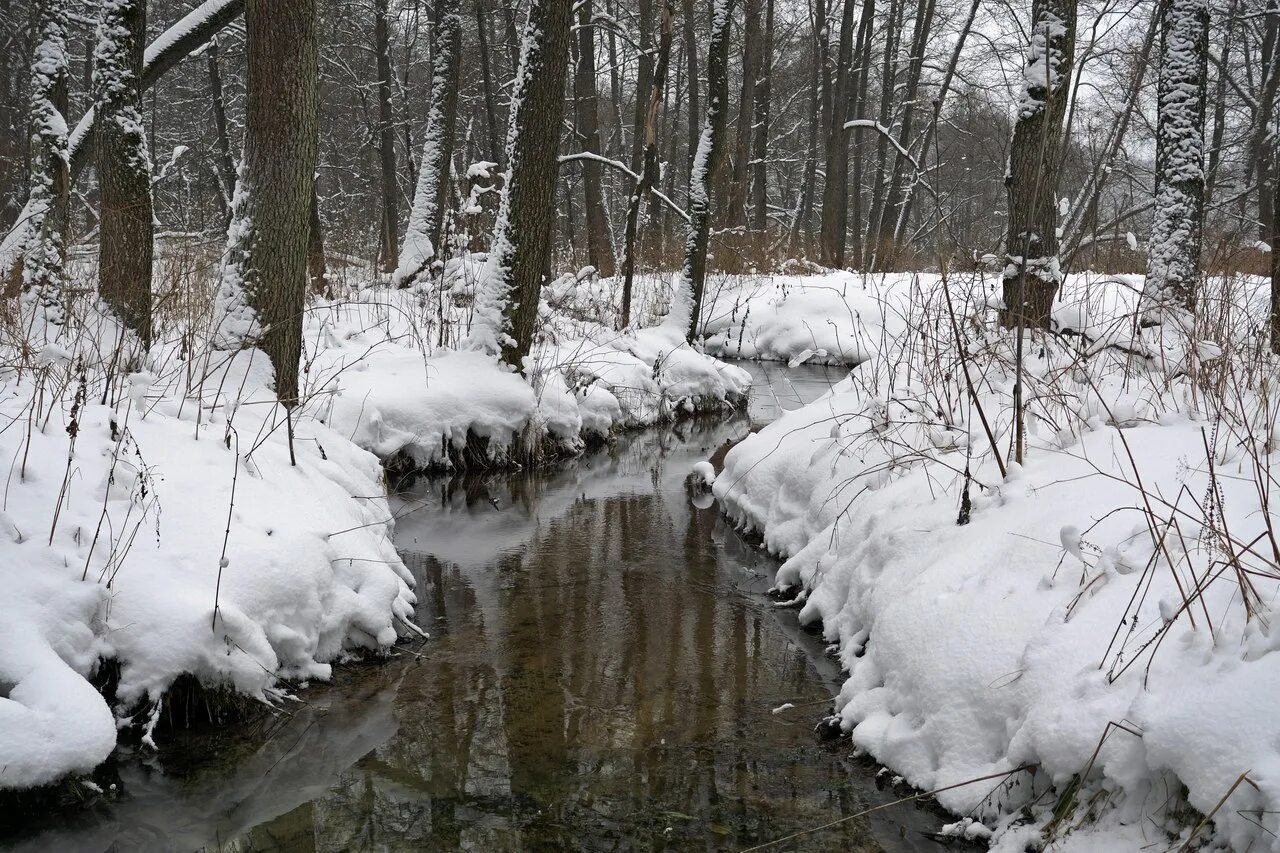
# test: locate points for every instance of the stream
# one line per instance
(605, 672)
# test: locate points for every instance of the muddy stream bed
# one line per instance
(602, 674)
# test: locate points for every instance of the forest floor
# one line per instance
(1093, 642)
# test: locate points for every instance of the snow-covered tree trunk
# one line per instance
(1032, 273)
(506, 308)
(124, 167)
(426, 219)
(686, 302)
(1173, 255)
(43, 266)
(264, 281)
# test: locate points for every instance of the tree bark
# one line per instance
(735, 213)
(760, 148)
(649, 169)
(587, 118)
(424, 237)
(124, 169)
(388, 241)
(43, 264)
(225, 164)
(686, 303)
(1173, 261)
(490, 111)
(507, 309)
(835, 190)
(1032, 273)
(265, 283)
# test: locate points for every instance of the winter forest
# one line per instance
(640, 424)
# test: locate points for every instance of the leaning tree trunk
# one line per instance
(1173, 257)
(649, 167)
(1032, 273)
(686, 303)
(422, 239)
(387, 243)
(506, 310)
(124, 168)
(586, 115)
(43, 265)
(264, 284)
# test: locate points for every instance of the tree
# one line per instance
(835, 189)
(426, 221)
(649, 166)
(586, 115)
(1173, 255)
(386, 138)
(686, 302)
(264, 283)
(506, 309)
(1032, 273)
(124, 167)
(43, 272)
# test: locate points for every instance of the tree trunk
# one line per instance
(1275, 255)
(507, 308)
(691, 63)
(491, 113)
(264, 284)
(862, 61)
(587, 118)
(43, 266)
(424, 236)
(888, 86)
(644, 79)
(386, 138)
(835, 190)
(317, 269)
(225, 165)
(124, 169)
(895, 197)
(735, 213)
(1032, 273)
(649, 169)
(1173, 254)
(686, 303)
(760, 148)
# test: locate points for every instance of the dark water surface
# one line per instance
(602, 675)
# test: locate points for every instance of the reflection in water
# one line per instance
(601, 675)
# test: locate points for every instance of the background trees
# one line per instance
(831, 152)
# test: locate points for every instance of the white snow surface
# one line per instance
(977, 649)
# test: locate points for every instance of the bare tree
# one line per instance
(1173, 266)
(386, 139)
(43, 267)
(506, 310)
(587, 129)
(1032, 272)
(422, 240)
(124, 167)
(686, 303)
(264, 283)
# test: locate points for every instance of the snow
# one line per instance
(167, 529)
(1052, 625)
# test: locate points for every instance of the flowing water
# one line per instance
(605, 672)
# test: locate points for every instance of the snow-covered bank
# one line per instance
(164, 518)
(1107, 613)
(170, 530)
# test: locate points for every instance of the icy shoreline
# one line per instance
(1060, 628)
